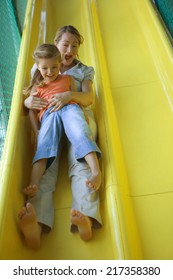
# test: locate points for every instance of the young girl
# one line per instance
(49, 123)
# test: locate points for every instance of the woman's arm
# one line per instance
(34, 102)
(33, 115)
(34, 120)
(35, 124)
(83, 98)
(33, 112)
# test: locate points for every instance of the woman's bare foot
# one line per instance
(29, 226)
(31, 190)
(94, 181)
(83, 223)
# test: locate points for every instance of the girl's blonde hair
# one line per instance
(43, 51)
(68, 28)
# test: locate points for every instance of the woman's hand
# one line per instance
(59, 100)
(34, 102)
(36, 140)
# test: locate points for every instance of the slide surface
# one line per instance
(129, 49)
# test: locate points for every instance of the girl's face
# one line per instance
(49, 68)
(68, 47)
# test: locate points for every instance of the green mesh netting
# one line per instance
(165, 8)
(11, 27)
(20, 9)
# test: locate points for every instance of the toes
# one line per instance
(90, 184)
(22, 213)
(73, 212)
(30, 190)
(29, 207)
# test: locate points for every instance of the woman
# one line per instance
(38, 215)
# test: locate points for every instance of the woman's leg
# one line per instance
(37, 215)
(83, 223)
(43, 200)
(29, 226)
(39, 210)
(85, 201)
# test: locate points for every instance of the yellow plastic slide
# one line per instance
(132, 56)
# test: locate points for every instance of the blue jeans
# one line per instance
(70, 119)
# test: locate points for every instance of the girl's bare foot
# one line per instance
(94, 181)
(31, 190)
(83, 223)
(29, 226)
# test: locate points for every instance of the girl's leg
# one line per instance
(49, 139)
(80, 135)
(95, 180)
(37, 172)
(78, 131)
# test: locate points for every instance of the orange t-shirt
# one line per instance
(62, 84)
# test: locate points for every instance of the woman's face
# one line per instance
(68, 47)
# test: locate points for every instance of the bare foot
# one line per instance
(83, 223)
(31, 190)
(94, 181)
(29, 226)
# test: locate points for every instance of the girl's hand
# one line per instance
(59, 100)
(34, 102)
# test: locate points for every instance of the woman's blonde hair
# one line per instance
(71, 29)
(43, 51)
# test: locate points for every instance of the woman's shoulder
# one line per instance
(83, 66)
(83, 70)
